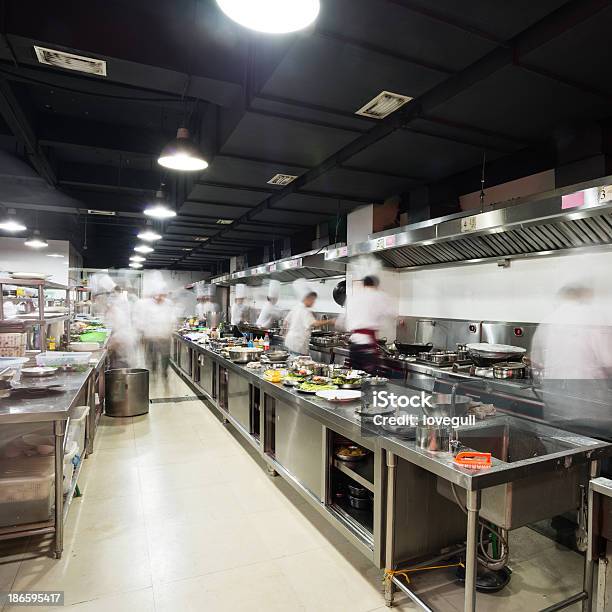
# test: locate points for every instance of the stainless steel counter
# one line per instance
(536, 470)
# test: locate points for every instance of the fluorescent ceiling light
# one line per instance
(11, 225)
(225, 221)
(143, 248)
(137, 258)
(135, 264)
(36, 242)
(181, 154)
(55, 255)
(272, 16)
(149, 236)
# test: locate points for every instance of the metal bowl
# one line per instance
(277, 356)
(241, 354)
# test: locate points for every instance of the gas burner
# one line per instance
(482, 372)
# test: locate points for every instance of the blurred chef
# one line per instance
(240, 311)
(206, 308)
(571, 354)
(301, 319)
(270, 313)
(156, 317)
(368, 310)
(123, 343)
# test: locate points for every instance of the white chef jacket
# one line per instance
(239, 313)
(269, 313)
(367, 309)
(299, 323)
(156, 320)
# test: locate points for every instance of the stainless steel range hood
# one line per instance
(311, 265)
(571, 218)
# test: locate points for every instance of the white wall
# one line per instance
(16, 257)
(526, 291)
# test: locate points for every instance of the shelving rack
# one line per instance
(23, 324)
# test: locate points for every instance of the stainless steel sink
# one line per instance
(533, 497)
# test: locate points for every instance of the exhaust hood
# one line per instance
(311, 265)
(575, 217)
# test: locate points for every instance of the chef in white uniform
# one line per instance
(240, 311)
(206, 305)
(270, 313)
(301, 319)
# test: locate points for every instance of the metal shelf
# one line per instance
(360, 471)
(33, 282)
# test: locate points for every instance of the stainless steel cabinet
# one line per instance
(206, 366)
(238, 396)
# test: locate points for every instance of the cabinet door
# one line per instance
(238, 399)
(299, 446)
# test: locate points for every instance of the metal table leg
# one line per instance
(59, 429)
(471, 562)
(91, 417)
(589, 558)
(389, 526)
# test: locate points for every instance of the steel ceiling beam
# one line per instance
(540, 33)
(19, 124)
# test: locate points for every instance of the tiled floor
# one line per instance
(177, 515)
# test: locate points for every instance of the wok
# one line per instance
(413, 348)
(485, 355)
(339, 293)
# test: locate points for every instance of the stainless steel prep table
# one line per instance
(55, 409)
(307, 424)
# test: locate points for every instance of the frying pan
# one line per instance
(413, 348)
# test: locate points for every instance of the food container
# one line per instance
(244, 354)
(432, 438)
(357, 491)
(351, 452)
(360, 503)
(70, 464)
(76, 427)
(84, 347)
(56, 359)
(13, 363)
(277, 356)
(509, 370)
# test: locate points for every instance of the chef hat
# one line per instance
(302, 289)
(274, 289)
(366, 265)
(155, 284)
(240, 291)
(102, 283)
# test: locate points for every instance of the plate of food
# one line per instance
(38, 371)
(339, 395)
(312, 388)
(350, 452)
(346, 382)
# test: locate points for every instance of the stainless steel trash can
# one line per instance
(127, 392)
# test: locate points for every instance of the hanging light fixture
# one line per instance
(182, 154)
(149, 236)
(143, 248)
(10, 223)
(135, 265)
(36, 241)
(137, 258)
(159, 209)
(272, 16)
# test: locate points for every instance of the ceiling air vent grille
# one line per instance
(383, 105)
(101, 213)
(282, 179)
(70, 61)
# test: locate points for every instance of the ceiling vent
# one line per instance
(200, 238)
(102, 213)
(385, 103)
(225, 221)
(70, 61)
(282, 179)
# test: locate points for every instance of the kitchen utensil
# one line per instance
(360, 503)
(473, 460)
(360, 492)
(377, 381)
(277, 356)
(509, 370)
(485, 354)
(442, 405)
(339, 293)
(243, 354)
(432, 438)
(413, 348)
(339, 395)
(483, 372)
(439, 357)
(350, 452)
(38, 371)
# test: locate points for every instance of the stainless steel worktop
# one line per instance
(342, 416)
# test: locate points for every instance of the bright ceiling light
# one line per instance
(272, 16)
(149, 236)
(136, 265)
(143, 248)
(181, 154)
(11, 225)
(137, 258)
(159, 211)
(55, 255)
(36, 242)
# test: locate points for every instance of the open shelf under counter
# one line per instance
(360, 471)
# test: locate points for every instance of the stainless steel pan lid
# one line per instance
(485, 347)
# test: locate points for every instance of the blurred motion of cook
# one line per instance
(123, 342)
(301, 319)
(571, 355)
(156, 316)
(101, 286)
(367, 310)
(240, 311)
(206, 308)
(270, 313)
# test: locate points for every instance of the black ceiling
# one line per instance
(485, 75)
